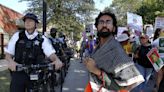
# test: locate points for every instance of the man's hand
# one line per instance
(12, 65)
(91, 66)
(56, 61)
(58, 64)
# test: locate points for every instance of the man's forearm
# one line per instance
(54, 58)
(56, 61)
(8, 57)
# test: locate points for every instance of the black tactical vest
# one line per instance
(57, 45)
(29, 51)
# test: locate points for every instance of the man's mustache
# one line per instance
(105, 28)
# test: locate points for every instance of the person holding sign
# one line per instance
(142, 62)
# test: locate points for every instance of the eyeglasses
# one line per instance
(107, 22)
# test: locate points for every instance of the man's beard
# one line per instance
(104, 34)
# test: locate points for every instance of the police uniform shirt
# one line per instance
(46, 45)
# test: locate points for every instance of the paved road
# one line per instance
(76, 78)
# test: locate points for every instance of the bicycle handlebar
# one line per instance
(22, 67)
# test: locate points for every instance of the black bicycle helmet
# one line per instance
(31, 16)
(53, 32)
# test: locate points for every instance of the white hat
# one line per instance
(122, 37)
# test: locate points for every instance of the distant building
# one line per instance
(8, 25)
(7, 20)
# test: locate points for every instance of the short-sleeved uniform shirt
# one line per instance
(46, 45)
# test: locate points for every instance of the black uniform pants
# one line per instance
(20, 82)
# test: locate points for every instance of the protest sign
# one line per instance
(161, 47)
(134, 21)
(148, 29)
(159, 22)
(155, 59)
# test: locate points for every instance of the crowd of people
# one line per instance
(136, 47)
(139, 55)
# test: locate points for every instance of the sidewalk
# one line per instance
(77, 77)
(3, 65)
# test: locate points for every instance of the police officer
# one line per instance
(62, 39)
(53, 32)
(28, 47)
(55, 41)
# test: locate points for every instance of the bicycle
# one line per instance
(42, 76)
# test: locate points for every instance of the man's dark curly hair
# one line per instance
(109, 14)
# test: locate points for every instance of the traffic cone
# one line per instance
(88, 88)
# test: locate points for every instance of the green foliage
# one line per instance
(148, 9)
(66, 15)
(160, 14)
(121, 7)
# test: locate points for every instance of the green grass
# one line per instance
(4, 81)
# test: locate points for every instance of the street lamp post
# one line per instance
(44, 16)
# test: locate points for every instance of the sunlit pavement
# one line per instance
(76, 78)
(3, 65)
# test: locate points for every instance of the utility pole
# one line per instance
(2, 45)
(44, 16)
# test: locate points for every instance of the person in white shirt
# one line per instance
(28, 47)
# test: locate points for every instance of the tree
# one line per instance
(67, 15)
(121, 7)
(151, 9)
(148, 9)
